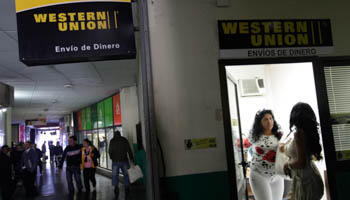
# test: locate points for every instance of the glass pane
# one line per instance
(102, 148)
(109, 134)
(89, 136)
(338, 92)
(237, 149)
(95, 138)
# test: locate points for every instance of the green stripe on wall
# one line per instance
(206, 186)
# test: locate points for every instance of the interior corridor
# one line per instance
(52, 185)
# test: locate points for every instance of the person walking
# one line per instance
(6, 184)
(43, 150)
(72, 153)
(119, 149)
(29, 162)
(305, 148)
(39, 155)
(89, 164)
(263, 141)
(58, 151)
(16, 156)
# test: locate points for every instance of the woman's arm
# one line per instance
(301, 153)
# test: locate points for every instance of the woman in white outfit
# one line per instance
(264, 137)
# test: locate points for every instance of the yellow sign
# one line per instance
(343, 155)
(23, 5)
(200, 143)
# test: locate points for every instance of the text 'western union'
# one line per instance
(76, 21)
(268, 33)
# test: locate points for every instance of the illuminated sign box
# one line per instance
(64, 31)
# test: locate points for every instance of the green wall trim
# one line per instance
(205, 186)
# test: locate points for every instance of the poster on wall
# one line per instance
(80, 127)
(101, 115)
(21, 137)
(274, 38)
(117, 111)
(65, 31)
(94, 120)
(83, 119)
(88, 118)
(108, 106)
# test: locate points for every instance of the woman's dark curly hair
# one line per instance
(258, 130)
(303, 118)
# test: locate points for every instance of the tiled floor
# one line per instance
(52, 185)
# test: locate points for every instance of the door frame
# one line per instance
(333, 166)
(317, 64)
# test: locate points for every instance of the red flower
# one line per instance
(259, 150)
(246, 143)
(270, 156)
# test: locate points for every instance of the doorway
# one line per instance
(248, 87)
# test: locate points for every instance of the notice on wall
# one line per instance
(274, 38)
(343, 155)
(63, 31)
(200, 143)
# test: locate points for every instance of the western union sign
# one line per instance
(61, 31)
(274, 38)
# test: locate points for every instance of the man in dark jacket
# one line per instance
(119, 147)
(29, 163)
(5, 173)
(72, 153)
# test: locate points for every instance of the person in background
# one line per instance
(16, 156)
(43, 150)
(264, 138)
(29, 162)
(89, 164)
(119, 149)
(39, 155)
(58, 153)
(6, 184)
(52, 151)
(72, 153)
(307, 183)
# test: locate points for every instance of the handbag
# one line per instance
(135, 173)
(281, 157)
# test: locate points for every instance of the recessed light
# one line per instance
(68, 86)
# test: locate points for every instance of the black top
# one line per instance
(73, 156)
(5, 168)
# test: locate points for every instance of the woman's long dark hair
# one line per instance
(258, 130)
(303, 118)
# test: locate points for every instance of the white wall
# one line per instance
(184, 47)
(130, 112)
(249, 105)
(289, 84)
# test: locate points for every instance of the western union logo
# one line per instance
(23, 5)
(77, 21)
(272, 34)
(241, 34)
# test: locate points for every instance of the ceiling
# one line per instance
(40, 91)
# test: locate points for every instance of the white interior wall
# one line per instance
(185, 54)
(251, 104)
(130, 112)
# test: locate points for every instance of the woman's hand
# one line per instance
(282, 147)
(286, 170)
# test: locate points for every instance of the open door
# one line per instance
(239, 159)
(333, 93)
